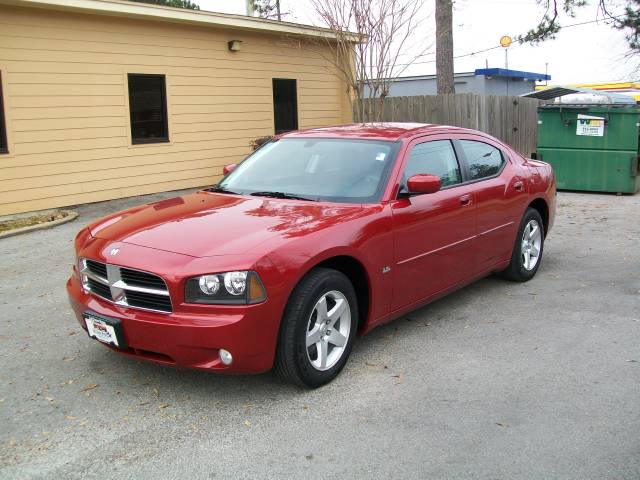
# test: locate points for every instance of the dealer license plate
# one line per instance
(99, 329)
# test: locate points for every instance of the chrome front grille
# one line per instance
(125, 286)
(97, 268)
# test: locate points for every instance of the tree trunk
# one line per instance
(444, 46)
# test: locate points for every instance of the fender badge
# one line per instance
(114, 252)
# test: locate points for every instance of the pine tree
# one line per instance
(172, 3)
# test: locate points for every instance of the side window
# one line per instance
(483, 159)
(436, 158)
(148, 108)
(4, 148)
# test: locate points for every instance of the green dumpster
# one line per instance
(591, 147)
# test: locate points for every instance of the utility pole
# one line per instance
(444, 46)
(546, 73)
(505, 42)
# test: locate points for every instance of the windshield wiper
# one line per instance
(219, 189)
(287, 196)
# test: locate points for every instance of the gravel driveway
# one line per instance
(499, 380)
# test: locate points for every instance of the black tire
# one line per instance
(516, 270)
(293, 363)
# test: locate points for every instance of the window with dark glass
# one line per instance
(436, 158)
(285, 105)
(148, 108)
(4, 148)
(483, 159)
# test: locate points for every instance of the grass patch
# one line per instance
(8, 225)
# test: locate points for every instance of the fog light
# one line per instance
(225, 356)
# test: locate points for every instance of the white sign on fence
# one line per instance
(590, 126)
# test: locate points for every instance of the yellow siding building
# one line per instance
(109, 99)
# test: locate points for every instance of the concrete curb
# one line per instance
(32, 228)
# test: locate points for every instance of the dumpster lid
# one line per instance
(587, 96)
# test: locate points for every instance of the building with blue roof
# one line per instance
(483, 81)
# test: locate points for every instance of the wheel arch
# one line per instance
(357, 274)
(541, 206)
(354, 269)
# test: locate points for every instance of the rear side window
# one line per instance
(436, 158)
(483, 159)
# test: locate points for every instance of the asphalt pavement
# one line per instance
(497, 381)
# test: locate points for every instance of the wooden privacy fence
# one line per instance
(514, 120)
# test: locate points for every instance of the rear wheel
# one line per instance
(527, 251)
(318, 329)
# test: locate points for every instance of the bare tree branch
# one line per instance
(549, 25)
(370, 38)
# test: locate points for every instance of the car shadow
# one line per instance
(148, 382)
(433, 315)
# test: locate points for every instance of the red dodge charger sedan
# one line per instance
(317, 236)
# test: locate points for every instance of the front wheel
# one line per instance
(527, 251)
(318, 329)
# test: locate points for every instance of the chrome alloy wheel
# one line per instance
(531, 245)
(328, 330)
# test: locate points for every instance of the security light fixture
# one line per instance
(234, 45)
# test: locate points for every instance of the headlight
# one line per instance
(244, 287)
(209, 284)
(235, 282)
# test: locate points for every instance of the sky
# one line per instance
(590, 53)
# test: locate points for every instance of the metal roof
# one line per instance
(631, 89)
(556, 92)
(432, 77)
(503, 72)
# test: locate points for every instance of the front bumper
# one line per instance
(190, 339)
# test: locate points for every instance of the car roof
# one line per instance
(391, 131)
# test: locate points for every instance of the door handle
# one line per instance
(519, 186)
(465, 200)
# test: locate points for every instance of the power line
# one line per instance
(470, 54)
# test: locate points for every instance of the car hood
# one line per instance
(206, 224)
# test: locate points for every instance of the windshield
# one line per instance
(329, 169)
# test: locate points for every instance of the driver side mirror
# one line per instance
(227, 169)
(424, 183)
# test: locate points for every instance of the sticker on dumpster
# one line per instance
(590, 126)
